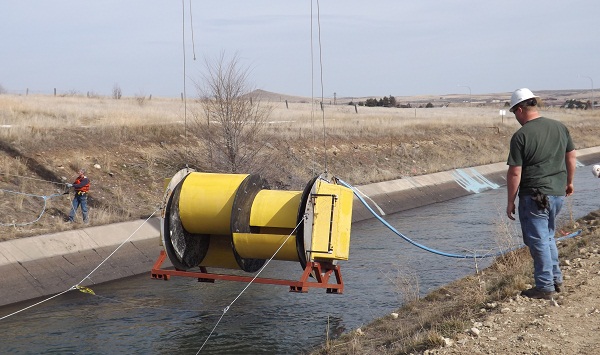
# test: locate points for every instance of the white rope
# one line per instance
(36, 304)
(192, 31)
(184, 77)
(44, 198)
(312, 75)
(77, 286)
(321, 81)
(312, 90)
(248, 285)
(381, 211)
(119, 247)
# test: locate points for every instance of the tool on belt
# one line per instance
(540, 199)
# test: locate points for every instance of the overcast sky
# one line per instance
(368, 48)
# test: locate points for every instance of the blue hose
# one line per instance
(450, 255)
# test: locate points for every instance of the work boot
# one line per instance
(535, 293)
(557, 287)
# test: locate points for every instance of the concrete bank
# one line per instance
(48, 264)
(411, 192)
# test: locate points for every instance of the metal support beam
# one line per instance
(322, 273)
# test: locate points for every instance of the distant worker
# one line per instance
(81, 187)
(541, 169)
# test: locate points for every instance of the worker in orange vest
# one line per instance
(81, 187)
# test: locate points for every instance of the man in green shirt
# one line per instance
(541, 163)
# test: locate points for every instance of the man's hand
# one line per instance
(69, 185)
(569, 190)
(510, 210)
(513, 179)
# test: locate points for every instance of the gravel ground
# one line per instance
(568, 324)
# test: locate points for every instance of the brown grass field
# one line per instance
(130, 146)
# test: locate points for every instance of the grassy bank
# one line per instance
(447, 314)
(130, 146)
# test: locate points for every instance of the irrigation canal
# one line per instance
(139, 315)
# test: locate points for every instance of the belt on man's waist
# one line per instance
(81, 192)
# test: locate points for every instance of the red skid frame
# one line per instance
(321, 271)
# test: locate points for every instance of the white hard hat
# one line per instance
(596, 170)
(519, 96)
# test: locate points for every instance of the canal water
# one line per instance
(139, 315)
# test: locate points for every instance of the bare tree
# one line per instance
(234, 117)
(116, 92)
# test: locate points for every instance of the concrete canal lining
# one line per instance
(48, 264)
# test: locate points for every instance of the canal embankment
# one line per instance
(43, 265)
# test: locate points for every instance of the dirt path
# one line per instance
(570, 324)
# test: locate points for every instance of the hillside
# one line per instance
(130, 146)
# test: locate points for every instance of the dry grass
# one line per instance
(42, 111)
(446, 312)
(129, 148)
(135, 146)
(405, 281)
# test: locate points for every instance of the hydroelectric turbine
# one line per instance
(234, 221)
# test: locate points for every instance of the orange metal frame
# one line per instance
(321, 272)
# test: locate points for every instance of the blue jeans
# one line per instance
(79, 200)
(538, 234)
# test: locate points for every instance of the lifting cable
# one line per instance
(314, 168)
(421, 246)
(184, 93)
(322, 108)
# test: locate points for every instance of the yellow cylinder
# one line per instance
(206, 200)
(219, 253)
(276, 209)
(231, 221)
(263, 246)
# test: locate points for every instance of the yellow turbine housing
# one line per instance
(234, 221)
